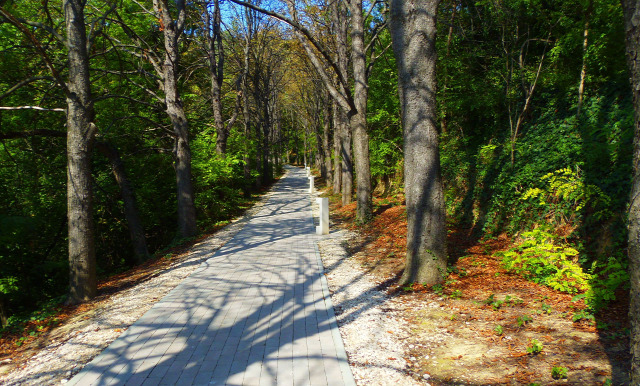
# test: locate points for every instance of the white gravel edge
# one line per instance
(368, 319)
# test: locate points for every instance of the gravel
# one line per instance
(368, 319)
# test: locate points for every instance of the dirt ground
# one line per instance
(476, 329)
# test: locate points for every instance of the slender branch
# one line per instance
(31, 108)
(24, 83)
(304, 31)
(111, 96)
(100, 22)
(38, 48)
(45, 27)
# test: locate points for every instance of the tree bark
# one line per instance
(358, 118)
(136, 230)
(215, 57)
(172, 29)
(585, 46)
(80, 137)
(337, 144)
(413, 32)
(328, 175)
(345, 156)
(631, 10)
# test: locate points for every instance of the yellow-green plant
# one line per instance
(541, 259)
(565, 194)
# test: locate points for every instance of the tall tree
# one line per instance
(413, 32)
(214, 49)
(631, 10)
(81, 132)
(172, 30)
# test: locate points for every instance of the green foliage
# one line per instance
(498, 329)
(566, 195)
(523, 320)
(559, 372)
(535, 347)
(540, 259)
(583, 315)
(218, 180)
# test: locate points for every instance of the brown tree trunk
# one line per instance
(345, 156)
(631, 10)
(215, 57)
(136, 230)
(328, 175)
(337, 143)
(358, 118)
(80, 137)
(172, 29)
(413, 32)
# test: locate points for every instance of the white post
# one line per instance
(323, 203)
(311, 184)
(308, 171)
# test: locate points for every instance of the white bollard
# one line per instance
(311, 187)
(308, 171)
(323, 203)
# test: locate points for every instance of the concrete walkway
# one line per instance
(258, 312)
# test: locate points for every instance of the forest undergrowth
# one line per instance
(499, 327)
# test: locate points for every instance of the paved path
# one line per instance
(258, 312)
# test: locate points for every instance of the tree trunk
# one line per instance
(631, 10)
(328, 175)
(182, 152)
(319, 156)
(215, 57)
(80, 137)
(136, 230)
(413, 33)
(345, 155)
(358, 118)
(585, 46)
(337, 144)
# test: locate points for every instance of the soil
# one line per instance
(476, 329)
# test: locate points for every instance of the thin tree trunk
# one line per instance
(585, 46)
(358, 118)
(328, 175)
(136, 230)
(337, 144)
(171, 30)
(345, 155)
(215, 57)
(319, 156)
(413, 32)
(80, 137)
(631, 10)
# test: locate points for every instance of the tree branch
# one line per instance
(38, 48)
(33, 133)
(344, 100)
(24, 83)
(31, 108)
